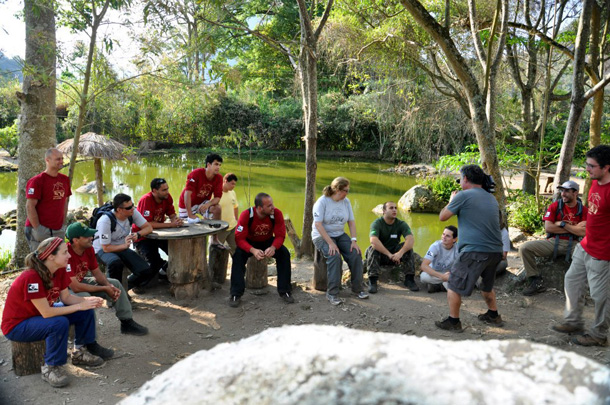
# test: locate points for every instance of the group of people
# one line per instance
(64, 284)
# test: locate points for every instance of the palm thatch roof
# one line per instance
(96, 146)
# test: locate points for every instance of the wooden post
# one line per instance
(256, 273)
(320, 274)
(28, 357)
(294, 237)
(219, 260)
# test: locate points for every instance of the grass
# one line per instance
(5, 258)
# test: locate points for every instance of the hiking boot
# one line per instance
(81, 357)
(434, 288)
(588, 340)
(139, 290)
(234, 301)
(131, 327)
(447, 325)
(373, 285)
(333, 299)
(410, 283)
(287, 297)
(567, 328)
(497, 321)
(535, 286)
(362, 295)
(97, 350)
(54, 375)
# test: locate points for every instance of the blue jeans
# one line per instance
(333, 263)
(141, 272)
(54, 331)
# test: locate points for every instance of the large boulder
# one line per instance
(420, 199)
(416, 170)
(89, 188)
(315, 364)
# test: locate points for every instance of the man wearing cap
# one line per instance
(564, 222)
(82, 260)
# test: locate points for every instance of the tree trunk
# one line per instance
(256, 273)
(28, 357)
(37, 123)
(99, 180)
(577, 102)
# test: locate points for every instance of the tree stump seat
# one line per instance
(219, 260)
(256, 273)
(28, 357)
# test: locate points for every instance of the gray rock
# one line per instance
(420, 199)
(412, 170)
(89, 188)
(515, 235)
(314, 364)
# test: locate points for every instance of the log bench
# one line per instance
(28, 357)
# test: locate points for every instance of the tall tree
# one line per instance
(37, 126)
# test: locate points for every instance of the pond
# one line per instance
(283, 177)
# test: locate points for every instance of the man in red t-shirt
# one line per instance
(565, 221)
(591, 258)
(260, 232)
(47, 201)
(201, 185)
(82, 261)
(155, 207)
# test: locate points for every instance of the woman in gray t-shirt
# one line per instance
(330, 213)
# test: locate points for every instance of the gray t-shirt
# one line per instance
(441, 259)
(333, 215)
(123, 229)
(478, 220)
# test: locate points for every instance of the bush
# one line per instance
(525, 214)
(441, 186)
(9, 139)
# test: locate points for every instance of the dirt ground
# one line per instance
(178, 329)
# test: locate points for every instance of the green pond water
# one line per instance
(282, 177)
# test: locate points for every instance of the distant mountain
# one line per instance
(9, 67)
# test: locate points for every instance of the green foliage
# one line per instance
(441, 186)
(524, 213)
(9, 139)
(6, 255)
(9, 107)
(470, 156)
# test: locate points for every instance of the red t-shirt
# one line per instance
(597, 238)
(260, 230)
(201, 188)
(51, 193)
(569, 215)
(153, 212)
(28, 286)
(80, 265)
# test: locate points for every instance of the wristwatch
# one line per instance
(562, 224)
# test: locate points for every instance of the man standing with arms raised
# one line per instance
(591, 258)
(480, 246)
(201, 185)
(47, 201)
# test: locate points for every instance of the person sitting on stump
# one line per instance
(82, 261)
(564, 221)
(260, 232)
(40, 307)
(387, 249)
(438, 260)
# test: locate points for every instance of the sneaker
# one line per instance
(234, 301)
(497, 321)
(567, 328)
(131, 327)
(333, 299)
(411, 284)
(373, 288)
(97, 350)
(287, 297)
(54, 375)
(81, 357)
(447, 325)
(588, 340)
(534, 287)
(362, 295)
(434, 288)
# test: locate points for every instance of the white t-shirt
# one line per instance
(123, 229)
(333, 215)
(505, 240)
(441, 259)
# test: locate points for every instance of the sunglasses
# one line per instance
(128, 208)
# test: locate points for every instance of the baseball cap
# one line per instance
(78, 229)
(570, 184)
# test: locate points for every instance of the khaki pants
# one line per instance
(35, 236)
(529, 251)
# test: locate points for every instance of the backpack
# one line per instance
(105, 209)
(272, 217)
(559, 216)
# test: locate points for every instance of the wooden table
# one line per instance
(188, 268)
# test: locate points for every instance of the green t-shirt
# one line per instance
(389, 235)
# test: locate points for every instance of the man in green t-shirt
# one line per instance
(386, 248)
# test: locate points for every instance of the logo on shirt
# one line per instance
(59, 191)
(262, 230)
(31, 190)
(548, 214)
(104, 236)
(192, 180)
(206, 189)
(146, 213)
(33, 287)
(240, 228)
(594, 201)
(68, 269)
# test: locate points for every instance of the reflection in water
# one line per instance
(281, 177)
